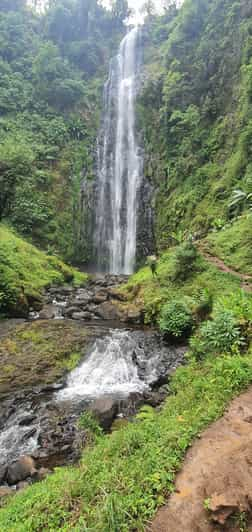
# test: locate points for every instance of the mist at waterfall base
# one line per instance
(119, 164)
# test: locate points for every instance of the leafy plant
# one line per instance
(89, 423)
(185, 261)
(176, 319)
(220, 335)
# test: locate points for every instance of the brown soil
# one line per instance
(217, 474)
(246, 280)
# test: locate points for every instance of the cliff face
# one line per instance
(196, 116)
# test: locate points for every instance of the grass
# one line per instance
(124, 477)
(233, 244)
(23, 265)
(151, 294)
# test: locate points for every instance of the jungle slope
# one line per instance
(25, 272)
(195, 114)
(52, 69)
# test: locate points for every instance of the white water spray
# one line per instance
(109, 370)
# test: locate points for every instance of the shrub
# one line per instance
(220, 335)
(185, 261)
(89, 423)
(176, 319)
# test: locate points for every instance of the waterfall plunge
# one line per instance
(119, 164)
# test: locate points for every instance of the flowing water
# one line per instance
(110, 369)
(119, 363)
(119, 164)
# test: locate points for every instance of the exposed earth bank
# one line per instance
(213, 492)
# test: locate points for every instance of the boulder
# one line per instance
(3, 471)
(105, 411)
(48, 312)
(21, 470)
(134, 316)
(68, 311)
(114, 293)
(81, 316)
(100, 297)
(108, 311)
(5, 491)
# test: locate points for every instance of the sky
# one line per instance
(136, 5)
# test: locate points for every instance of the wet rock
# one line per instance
(27, 420)
(48, 312)
(108, 311)
(100, 297)
(81, 316)
(29, 434)
(5, 491)
(3, 471)
(105, 410)
(67, 312)
(20, 470)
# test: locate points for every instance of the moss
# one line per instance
(25, 271)
(40, 353)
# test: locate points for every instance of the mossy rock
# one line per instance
(40, 353)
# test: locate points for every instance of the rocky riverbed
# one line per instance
(119, 367)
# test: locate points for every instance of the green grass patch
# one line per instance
(233, 244)
(23, 265)
(151, 294)
(124, 477)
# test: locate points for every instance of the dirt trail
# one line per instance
(217, 473)
(246, 280)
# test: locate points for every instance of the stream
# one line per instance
(124, 367)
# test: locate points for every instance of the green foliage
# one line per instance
(24, 267)
(90, 425)
(52, 68)
(122, 479)
(185, 261)
(198, 90)
(176, 319)
(233, 244)
(220, 335)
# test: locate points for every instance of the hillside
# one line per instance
(25, 271)
(52, 67)
(107, 388)
(195, 113)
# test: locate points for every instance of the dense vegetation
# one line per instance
(52, 69)
(195, 111)
(25, 271)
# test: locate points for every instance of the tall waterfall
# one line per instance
(119, 164)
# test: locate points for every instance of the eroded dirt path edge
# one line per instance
(214, 488)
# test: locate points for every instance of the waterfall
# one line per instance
(109, 369)
(119, 164)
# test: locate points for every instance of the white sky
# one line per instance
(136, 5)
